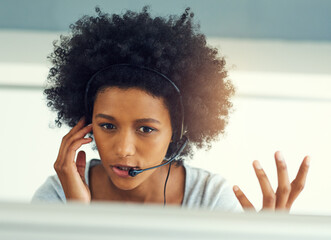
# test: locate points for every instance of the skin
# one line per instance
(133, 128)
(134, 131)
(286, 192)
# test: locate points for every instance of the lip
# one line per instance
(122, 173)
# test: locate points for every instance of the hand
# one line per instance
(71, 173)
(286, 193)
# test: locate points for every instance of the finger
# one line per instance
(269, 198)
(71, 151)
(81, 133)
(298, 183)
(81, 164)
(77, 127)
(284, 187)
(67, 159)
(245, 203)
(67, 142)
(78, 135)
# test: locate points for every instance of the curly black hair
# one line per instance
(173, 46)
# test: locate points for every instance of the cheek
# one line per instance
(101, 141)
(156, 147)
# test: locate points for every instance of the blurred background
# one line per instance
(278, 55)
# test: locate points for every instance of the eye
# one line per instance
(107, 126)
(145, 129)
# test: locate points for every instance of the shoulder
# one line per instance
(208, 190)
(50, 191)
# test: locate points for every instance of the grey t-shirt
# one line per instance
(202, 190)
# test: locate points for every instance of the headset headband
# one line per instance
(89, 108)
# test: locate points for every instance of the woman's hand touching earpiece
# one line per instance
(286, 192)
(71, 173)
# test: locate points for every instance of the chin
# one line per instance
(125, 184)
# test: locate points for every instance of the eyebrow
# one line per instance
(142, 120)
(100, 115)
(148, 120)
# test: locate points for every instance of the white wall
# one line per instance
(283, 102)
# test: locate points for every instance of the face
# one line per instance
(132, 129)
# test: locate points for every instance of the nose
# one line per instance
(125, 144)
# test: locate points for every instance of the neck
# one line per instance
(150, 191)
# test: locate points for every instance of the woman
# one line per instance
(142, 87)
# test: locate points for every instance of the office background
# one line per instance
(278, 55)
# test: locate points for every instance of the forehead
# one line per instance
(132, 101)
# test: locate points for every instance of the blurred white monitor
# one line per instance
(128, 221)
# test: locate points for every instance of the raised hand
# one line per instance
(286, 192)
(71, 173)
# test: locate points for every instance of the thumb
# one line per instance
(81, 164)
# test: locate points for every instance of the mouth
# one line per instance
(122, 170)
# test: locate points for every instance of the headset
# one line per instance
(179, 139)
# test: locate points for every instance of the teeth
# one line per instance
(124, 168)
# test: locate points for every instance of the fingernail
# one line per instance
(308, 161)
(280, 156)
(257, 165)
(235, 188)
